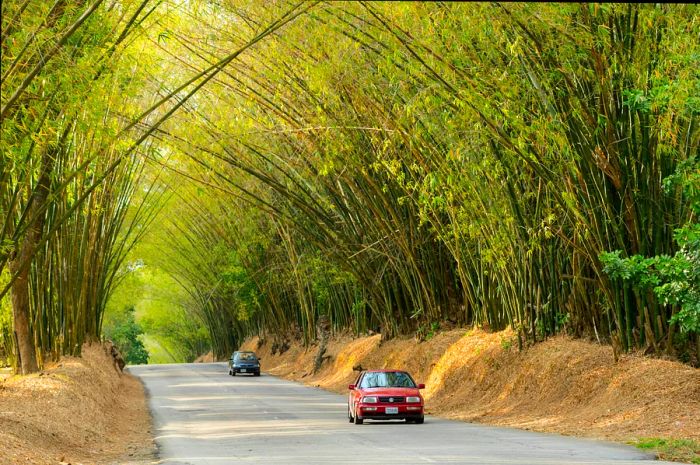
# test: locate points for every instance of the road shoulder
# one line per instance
(79, 411)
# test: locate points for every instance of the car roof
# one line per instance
(385, 371)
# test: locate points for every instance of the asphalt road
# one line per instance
(203, 416)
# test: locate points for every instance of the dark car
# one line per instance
(244, 362)
(385, 395)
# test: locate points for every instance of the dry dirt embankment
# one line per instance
(78, 411)
(561, 385)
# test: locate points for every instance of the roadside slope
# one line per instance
(79, 411)
(562, 385)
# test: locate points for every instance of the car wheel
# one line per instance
(257, 373)
(350, 419)
(358, 420)
(419, 421)
(233, 372)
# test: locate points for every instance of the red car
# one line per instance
(385, 395)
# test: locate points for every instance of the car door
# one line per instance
(354, 395)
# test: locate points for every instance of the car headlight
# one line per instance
(411, 400)
(369, 399)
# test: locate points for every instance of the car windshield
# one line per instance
(387, 379)
(245, 356)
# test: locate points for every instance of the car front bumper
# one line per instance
(245, 370)
(378, 412)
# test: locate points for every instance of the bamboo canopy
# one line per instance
(383, 167)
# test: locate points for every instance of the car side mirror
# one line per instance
(421, 386)
(351, 387)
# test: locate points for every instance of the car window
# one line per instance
(244, 356)
(386, 379)
(359, 378)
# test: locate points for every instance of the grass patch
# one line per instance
(677, 450)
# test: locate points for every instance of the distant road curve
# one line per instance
(202, 416)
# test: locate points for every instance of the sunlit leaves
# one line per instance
(497, 132)
(388, 163)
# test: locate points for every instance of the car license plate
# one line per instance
(243, 370)
(388, 410)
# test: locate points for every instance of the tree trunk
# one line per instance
(19, 266)
(323, 329)
(20, 314)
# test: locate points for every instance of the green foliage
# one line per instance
(68, 170)
(388, 166)
(675, 279)
(239, 286)
(6, 340)
(124, 332)
(506, 343)
(676, 450)
(471, 163)
(426, 332)
(176, 333)
(170, 333)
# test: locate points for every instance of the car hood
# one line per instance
(392, 391)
